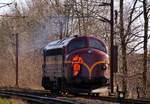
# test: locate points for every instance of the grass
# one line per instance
(4, 101)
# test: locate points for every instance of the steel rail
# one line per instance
(23, 98)
(27, 91)
(117, 99)
(34, 98)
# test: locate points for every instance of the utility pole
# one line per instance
(17, 45)
(112, 45)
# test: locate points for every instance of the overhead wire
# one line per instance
(5, 4)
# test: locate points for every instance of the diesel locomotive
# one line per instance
(77, 64)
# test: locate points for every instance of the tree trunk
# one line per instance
(123, 47)
(145, 46)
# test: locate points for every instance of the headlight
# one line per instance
(103, 67)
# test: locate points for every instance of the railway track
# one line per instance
(45, 97)
(117, 100)
(34, 96)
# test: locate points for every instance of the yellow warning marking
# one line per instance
(90, 69)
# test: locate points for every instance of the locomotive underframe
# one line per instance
(61, 84)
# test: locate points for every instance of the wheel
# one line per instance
(46, 83)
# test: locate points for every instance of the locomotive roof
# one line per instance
(57, 44)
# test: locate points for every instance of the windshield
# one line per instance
(94, 43)
(77, 44)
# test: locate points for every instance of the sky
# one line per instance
(6, 8)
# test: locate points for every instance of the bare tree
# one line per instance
(87, 17)
(145, 10)
(123, 48)
(129, 35)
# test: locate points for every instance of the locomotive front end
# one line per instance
(88, 63)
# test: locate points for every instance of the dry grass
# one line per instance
(4, 101)
(11, 101)
(17, 101)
